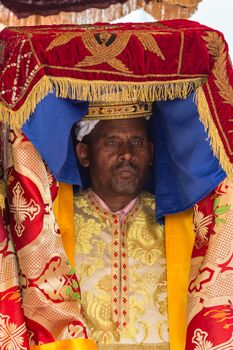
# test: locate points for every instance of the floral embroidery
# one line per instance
(86, 228)
(144, 240)
(143, 243)
(98, 313)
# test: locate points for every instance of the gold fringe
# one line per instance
(112, 91)
(163, 9)
(98, 91)
(17, 118)
(164, 346)
(215, 140)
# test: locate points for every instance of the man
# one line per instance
(120, 258)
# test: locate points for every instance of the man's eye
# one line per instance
(137, 143)
(111, 143)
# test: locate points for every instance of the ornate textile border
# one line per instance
(109, 91)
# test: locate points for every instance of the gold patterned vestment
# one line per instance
(121, 267)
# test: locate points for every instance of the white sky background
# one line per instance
(217, 14)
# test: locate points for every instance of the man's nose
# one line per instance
(126, 151)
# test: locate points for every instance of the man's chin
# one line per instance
(125, 187)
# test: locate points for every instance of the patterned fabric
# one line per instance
(210, 292)
(122, 273)
(13, 333)
(49, 287)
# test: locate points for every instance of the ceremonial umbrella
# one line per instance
(34, 12)
(49, 74)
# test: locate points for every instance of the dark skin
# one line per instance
(118, 155)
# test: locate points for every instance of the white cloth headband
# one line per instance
(84, 127)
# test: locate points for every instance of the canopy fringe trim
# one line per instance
(98, 91)
(16, 119)
(215, 140)
(124, 91)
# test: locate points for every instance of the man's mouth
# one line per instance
(126, 170)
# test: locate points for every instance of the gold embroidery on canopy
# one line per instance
(106, 46)
(217, 49)
(149, 43)
(62, 39)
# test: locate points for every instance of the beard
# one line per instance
(125, 179)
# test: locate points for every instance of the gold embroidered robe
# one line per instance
(121, 267)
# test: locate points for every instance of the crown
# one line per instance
(122, 110)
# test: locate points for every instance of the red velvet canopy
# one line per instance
(153, 61)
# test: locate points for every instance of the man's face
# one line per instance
(118, 155)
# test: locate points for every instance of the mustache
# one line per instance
(126, 165)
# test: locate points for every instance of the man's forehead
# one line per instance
(122, 124)
(108, 127)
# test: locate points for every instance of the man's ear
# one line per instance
(83, 154)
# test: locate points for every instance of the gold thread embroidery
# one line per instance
(144, 242)
(149, 43)
(217, 49)
(97, 301)
(62, 39)
(103, 53)
(186, 77)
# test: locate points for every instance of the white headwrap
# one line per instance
(83, 128)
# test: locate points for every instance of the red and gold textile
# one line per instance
(99, 62)
(122, 271)
(210, 293)
(49, 286)
(13, 331)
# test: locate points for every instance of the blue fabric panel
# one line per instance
(49, 129)
(186, 169)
